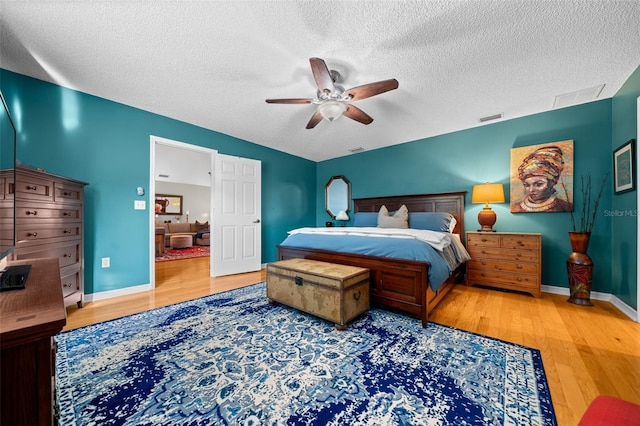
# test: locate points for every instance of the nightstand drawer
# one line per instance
(490, 277)
(493, 265)
(502, 254)
(483, 240)
(520, 242)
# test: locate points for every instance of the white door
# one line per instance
(237, 229)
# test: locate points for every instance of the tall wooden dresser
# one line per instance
(505, 260)
(50, 223)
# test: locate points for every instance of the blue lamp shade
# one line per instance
(487, 193)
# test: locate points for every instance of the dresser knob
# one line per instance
(66, 255)
(66, 194)
(31, 187)
(66, 231)
(31, 212)
(32, 234)
(68, 285)
(66, 214)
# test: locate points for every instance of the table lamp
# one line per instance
(342, 216)
(487, 193)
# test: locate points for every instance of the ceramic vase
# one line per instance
(580, 269)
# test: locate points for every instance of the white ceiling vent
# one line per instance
(579, 97)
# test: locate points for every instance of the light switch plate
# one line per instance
(139, 204)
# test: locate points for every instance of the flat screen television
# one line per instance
(11, 277)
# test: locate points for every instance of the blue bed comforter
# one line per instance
(399, 248)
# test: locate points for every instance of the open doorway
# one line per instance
(181, 192)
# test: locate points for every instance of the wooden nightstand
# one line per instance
(505, 260)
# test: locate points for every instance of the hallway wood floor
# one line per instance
(586, 351)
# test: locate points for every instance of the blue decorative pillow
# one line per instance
(365, 219)
(440, 222)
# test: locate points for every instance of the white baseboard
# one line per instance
(115, 293)
(605, 297)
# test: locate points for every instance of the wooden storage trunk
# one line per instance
(337, 293)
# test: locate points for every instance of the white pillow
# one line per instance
(400, 218)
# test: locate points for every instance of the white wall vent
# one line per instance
(491, 117)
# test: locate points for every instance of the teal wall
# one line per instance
(106, 144)
(624, 224)
(456, 161)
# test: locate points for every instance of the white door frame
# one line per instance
(637, 207)
(153, 140)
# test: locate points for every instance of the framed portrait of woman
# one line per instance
(542, 178)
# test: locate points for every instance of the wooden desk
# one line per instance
(29, 318)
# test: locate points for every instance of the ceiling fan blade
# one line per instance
(289, 101)
(315, 119)
(371, 89)
(321, 75)
(357, 114)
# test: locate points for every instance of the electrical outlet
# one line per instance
(139, 204)
(106, 262)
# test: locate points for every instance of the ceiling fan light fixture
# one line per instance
(332, 109)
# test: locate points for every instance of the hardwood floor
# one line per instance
(176, 281)
(586, 351)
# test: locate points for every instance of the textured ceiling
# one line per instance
(213, 63)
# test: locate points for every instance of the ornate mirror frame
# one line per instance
(337, 195)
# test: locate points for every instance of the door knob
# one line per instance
(256, 221)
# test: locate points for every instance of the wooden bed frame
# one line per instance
(397, 284)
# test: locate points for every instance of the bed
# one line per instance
(397, 284)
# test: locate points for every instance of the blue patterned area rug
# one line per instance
(234, 359)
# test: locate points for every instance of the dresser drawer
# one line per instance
(37, 211)
(491, 277)
(47, 233)
(68, 193)
(66, 253)
(29, 187)
(502, 254)
(520, 242)
(70, 278)
(501, 266)
(483, 240)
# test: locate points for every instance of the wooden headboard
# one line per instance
(448, 202)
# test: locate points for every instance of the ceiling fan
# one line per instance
(332, 100)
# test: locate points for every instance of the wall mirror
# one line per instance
(337, 195)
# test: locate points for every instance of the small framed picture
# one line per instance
(168, 204)
(624, 167)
